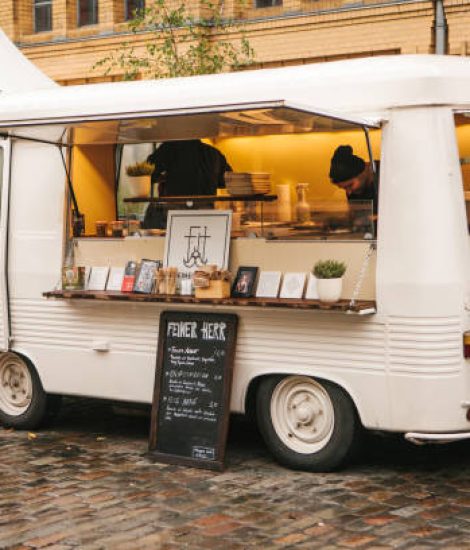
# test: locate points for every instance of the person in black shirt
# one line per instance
(188, 167)
(355, 176)
(191, 167)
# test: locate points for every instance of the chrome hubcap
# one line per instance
(15, 385)
(302, 414)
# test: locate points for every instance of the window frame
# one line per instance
(94, 13)
(128, 12)
(271, 4)
(42, 4)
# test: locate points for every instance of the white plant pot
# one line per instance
(329, 290)
(138, 186)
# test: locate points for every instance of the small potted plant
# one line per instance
(329, 274)
(139, 178)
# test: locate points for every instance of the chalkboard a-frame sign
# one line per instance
(191, 401)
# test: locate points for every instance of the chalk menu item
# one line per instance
(191, 401)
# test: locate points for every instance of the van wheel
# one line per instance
(306, 424)
(23, 402)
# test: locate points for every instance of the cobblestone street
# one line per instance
(86, 483)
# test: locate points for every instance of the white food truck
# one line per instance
(315, 377)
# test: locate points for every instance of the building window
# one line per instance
(132, 7)
(87, 11)
(42, 15)
(267, 3)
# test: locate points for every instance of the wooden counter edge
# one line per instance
(363, 307)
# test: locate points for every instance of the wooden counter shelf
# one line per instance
(196, 199)
(362, 307)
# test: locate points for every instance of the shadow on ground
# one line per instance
(131, 422)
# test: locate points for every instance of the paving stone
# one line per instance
(87, 483)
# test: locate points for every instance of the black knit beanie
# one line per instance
(345, 165)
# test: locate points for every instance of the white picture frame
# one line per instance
(293, 285)
(115, 278)
(311, 292)
(98, 278)
(268, 284)
(195, 238)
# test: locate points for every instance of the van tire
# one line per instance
(307, 424)
(23, 402)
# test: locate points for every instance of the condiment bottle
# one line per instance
(302, 208)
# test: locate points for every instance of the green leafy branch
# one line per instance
(180, 44)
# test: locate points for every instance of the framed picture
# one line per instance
(129, 276)
(196, 238)
(244, 282)
(293, 285)
(268, 284)
(115, 278)
(146, 276)
(311, 293)
(98, 278)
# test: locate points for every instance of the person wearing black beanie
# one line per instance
(355, 176)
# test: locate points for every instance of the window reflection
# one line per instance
(87, 12)
(42, 15)
(133, 7)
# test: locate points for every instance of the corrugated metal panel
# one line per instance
(73, 326)
(425, 346)
(309, 339)
(314, 341)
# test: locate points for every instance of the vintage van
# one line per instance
(315, 378)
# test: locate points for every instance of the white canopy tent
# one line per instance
(17, 73)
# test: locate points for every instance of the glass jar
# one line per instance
(117, 229)
(101, 229)
(185, 284)
(133, 227)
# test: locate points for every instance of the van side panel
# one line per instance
(423, 258)
(35, 235)
(5, 148)
(423, 269)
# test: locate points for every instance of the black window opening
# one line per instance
(267, 3)
(42, 15)
(87, 11)
(133, 8)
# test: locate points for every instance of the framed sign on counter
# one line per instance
(197, 238)
(191, 401)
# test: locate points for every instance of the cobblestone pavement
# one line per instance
(86, 483)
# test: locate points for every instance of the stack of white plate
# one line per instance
(246, 183)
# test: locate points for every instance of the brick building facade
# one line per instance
(65, 38)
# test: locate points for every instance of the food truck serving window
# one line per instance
(291, 147)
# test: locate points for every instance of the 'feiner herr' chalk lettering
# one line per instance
(182, 329)
(213, 331)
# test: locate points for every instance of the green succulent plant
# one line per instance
(140, 169)
(329, 269)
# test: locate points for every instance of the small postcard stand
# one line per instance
(191, 401)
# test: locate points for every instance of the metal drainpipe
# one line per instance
(441, 45)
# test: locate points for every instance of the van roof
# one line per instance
(366, 88)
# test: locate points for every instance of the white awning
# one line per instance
(209, 121)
